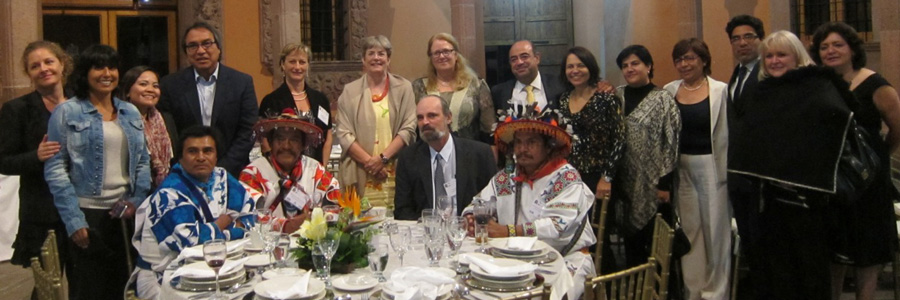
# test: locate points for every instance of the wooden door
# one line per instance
(546, 23)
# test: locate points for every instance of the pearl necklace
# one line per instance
(683, 85)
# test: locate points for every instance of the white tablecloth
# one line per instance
(415, 257)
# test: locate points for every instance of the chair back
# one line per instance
(598, 223)
(661, 251)
(637, 283)
(46, 285)
(50, 255)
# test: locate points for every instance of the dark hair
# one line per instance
(848, 34)
(198, 131)
(696, 45)
(54, 48)
(445, 104)
(95, 56)
(748, 20)
(587, 58)
(203, 25)
(130, 77)
(638, 50)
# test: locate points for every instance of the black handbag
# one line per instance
(858, 166)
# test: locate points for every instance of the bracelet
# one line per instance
(512, 230)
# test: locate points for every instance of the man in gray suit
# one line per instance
(440, 170)
(211, 94)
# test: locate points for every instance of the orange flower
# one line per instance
(351, 200)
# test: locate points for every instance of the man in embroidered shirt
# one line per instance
(212, 94)
(448, 184)
(288, 182)
(197, 202)
(553, 200)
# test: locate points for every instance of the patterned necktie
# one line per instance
(439, 189)
(529, 94)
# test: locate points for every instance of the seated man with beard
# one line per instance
(441, 170)
(287, 182)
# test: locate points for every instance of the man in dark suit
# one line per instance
(439, 166)
(530, 85)
(211, 94)
(745, 33)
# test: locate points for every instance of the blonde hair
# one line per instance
(783, 40)
(64, 59)
(463, 73)
(291, 47)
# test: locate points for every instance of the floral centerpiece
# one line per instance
(354, 232)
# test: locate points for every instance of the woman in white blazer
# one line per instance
(701, 193)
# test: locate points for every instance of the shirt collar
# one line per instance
(445, 152)
(212, 78)
(751, 64)
(537, 83)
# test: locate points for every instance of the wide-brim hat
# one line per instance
(289, 119)
(548, 123)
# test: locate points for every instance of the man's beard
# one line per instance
(432, 135)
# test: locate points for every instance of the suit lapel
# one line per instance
(424, 160)
(190, 93)
(220, 93)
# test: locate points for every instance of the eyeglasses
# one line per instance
(443, 52)
(747, 37)
(192, 47)
(685, 58)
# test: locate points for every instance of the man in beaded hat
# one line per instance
(287, 182)
(542, 195)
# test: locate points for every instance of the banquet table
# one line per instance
(416, 256)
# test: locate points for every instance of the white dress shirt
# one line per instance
(448, 154)
(520, 96)
(206, 90)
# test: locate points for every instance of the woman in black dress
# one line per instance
(871, 235)
(23, 130)
(296, 95)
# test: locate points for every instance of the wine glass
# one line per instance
(378, 258)
(445, 207)
(263, 216)
(282, 252)
(329, 245)
(456, 232)
(400, 238)
(214, 252)
(434, 245)
(270, 238)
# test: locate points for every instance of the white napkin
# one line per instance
(521, 242)
(494, 269)
(197, 251)
(417, 283)
(207, 271)
(298, 289)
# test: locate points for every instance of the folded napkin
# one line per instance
(521, 242)
(501, 270)
(201, 270)
(296, 290)
(197, 251)
(417, 283)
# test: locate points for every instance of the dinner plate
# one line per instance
(543, 258)
(505, 283)
(502, 262)
(201, 265)
(354, 282)
(443, 292)
(281, 272)
(477, 284)
(256, 261)
(264, 289)
(181, 284)
(499, 244)
(319, 296)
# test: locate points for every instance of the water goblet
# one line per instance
(455, 229)
(329, 245)
(400, 237)
(214, 252)
(319, 263)
(378, 258)
(282, 252)
(434, 245)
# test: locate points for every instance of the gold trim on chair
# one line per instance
(48, 278)
(661, 251)
(50, 255)
(638, 283)
(598, 222)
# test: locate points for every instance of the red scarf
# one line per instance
(546, 169)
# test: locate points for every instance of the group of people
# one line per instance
(135, 170)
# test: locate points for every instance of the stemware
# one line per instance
(482, 217)
(329, 245)
(319, 262)
(456, 233)
(378, 258)
(263, 216)
(434, 245)
(400, 238)
(282, 251)
(214, 252)
(445, 207)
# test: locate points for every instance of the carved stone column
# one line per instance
(357, 22)
(190, 12)
(279, 25)
(20, 23)
(467, 21)
(690, 19)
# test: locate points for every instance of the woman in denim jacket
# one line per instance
(100, 175)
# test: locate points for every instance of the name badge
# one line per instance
(323, 115)
(450, 187)
(297, 197)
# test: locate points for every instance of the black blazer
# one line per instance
(234, 113)
(553, 88)
(749, 86)
(475, 166)
(740, 187)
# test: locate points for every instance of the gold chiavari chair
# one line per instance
(637, 283)
(47, 276)
(661, 251)
(543, 294)
(598, 222)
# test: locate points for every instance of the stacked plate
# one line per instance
(539, 253)
(203, 283)
(388, 290)
(481, 279)
(234, 253)
(264, 290)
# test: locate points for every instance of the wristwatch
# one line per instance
(384, 160)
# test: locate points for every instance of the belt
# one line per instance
(141, 263)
